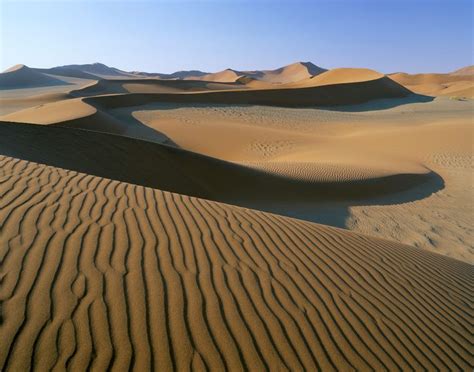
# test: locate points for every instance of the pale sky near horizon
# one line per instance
(166, 36)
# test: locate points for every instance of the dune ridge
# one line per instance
(165, 281)
(340, 76)
(457, 83)
(21, 76)
(327, 95)
(158, 165)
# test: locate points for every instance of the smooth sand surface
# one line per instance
(286, 74)
(339, 76)
(458, 84)
(101, 274)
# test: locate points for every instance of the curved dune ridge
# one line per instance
(101, 274)
(336, 171)
(21, 76)
(326, 95)
(119, 86)
(458, 83)
(341, 76)
(76, 113)
(173, 169)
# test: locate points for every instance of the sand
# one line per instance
(457, 84)
(339, 76)
(135, 230)
(101, 274)
(291, 73)
(313, 145)
(21, 76)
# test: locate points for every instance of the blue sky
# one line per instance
(165, 36)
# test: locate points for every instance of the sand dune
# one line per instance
(9, 105)
(341, 76)
(316, 145)
(21, 76)
(169, 168)
(458, 83)
(118, 86)
(68, 71)
(77, 113)
(468, 70)
(101, 274)
(99, 70)
(286, 74)
(117, 252)
(225, 76)
(292, 73)
(327, 95)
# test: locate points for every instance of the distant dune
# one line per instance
(297, 95)
(341, 76)
(225, 76)
(294, 72)
(21, 76)
(468, 70)
(101, 274)
(459, 83)
(95, 69)
(150, 85)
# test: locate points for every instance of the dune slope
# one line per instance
(458, 83)
(327, 95)
(101, 274)
(173, 169)
(21, 76)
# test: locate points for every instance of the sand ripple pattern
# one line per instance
(98, 274)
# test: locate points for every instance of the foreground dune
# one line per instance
(101, 274)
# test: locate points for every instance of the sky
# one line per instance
(166, 36)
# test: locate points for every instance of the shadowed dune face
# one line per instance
(101, 274)
(347, 143)
(172, 169)
(119, 86)
(21, 76)
(328, 95)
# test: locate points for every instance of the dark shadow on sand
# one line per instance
(381, 104)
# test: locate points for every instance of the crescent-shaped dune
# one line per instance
(98, 274)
